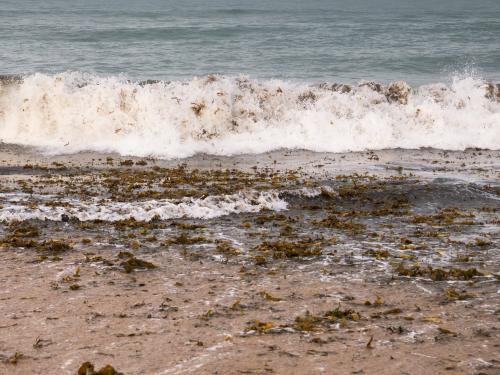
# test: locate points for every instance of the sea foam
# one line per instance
(15, 207)
(71, 112)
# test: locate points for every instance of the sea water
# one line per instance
(172, 79)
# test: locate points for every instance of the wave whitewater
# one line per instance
(72, 112)
(16, 207)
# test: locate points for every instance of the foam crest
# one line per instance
(18, 207)
(72, 112)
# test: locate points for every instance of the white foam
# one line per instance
(15, 207)
(71, 112)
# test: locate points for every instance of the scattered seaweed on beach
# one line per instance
(310, 322)
(260, 260)
(269, 297)
(87, 368)
(131, 263)
(452, 294)
(307, 322)
(333, 222)
(21, 234)
(378, 254)
(131, 223)
(339, 313)
(184, 239)
(54, 246)
(288, 250)
(225, 248)
(437, 274)
(258, 326)
(207, 315)
(446, 216)
(14, 358)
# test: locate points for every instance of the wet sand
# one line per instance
(387, 263)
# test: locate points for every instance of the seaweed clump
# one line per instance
(334, 222)
(224, 248)
(131, 223)
(23, 228)
(307, 323)
(22, 234)
(437, 274)
(446, 216)
(184, 239)
(53, 246)
(454, 295)
(18, 234)
(88, 368)
(126, 163)
(132, 263)
(287, 250)
(378, 254)
(259, 326)
(310, 322)
(347, 314)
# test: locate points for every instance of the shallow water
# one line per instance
(397, 248)
(397, 201)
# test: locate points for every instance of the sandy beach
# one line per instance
(287, 262)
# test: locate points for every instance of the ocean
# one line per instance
(171, 79)
(317, 40)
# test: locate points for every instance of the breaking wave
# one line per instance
(71, 112)
(18, 207)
